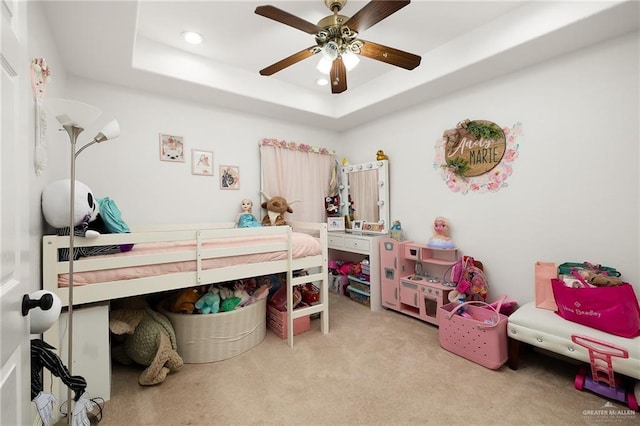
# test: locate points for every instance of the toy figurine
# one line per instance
(246, 219)
(440, 238)
(396, 230)
(380, 155)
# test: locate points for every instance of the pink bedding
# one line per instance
(303, 245)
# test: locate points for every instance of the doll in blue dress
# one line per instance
(440, 238)
(246, 219)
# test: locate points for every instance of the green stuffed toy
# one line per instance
(229, 304)
(148, 339)
(209, 303)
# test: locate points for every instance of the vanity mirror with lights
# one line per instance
(364, 195)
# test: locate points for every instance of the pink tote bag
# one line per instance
(613, 309)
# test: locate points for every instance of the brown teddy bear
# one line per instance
(184, 302)
(276, 208)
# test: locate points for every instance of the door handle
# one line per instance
(45, 303)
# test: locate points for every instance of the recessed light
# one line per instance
(192, 37)
(322, 81)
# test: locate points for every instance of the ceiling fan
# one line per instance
(337, 39)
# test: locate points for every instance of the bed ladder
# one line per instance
(321, 277)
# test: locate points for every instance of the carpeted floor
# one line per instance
(373, 368)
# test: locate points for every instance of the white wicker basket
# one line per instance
(214, 337)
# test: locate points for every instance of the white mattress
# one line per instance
(545, 329)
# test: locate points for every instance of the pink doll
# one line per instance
(245, 218)
(441, 238)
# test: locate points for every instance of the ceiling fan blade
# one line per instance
(389, 55)
(374, 12)
(338, 76)
(288, 61)
(286, 18)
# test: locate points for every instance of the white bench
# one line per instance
(545, 329)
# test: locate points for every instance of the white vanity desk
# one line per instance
(351, 247)
(365, 185)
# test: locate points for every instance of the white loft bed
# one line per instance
(274, 246)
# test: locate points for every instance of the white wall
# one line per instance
(147, 190)
(574, 192)
(40, 45)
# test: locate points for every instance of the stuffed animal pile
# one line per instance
(599, 280)
(222, 297)
(87, 218)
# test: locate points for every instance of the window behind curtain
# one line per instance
(297, 172)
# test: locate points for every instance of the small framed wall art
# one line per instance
(201, 162)
(335, 224)
(229, 177)
(171, 148)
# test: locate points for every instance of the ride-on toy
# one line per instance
(602, 379)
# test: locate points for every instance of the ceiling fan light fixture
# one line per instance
(331, 50)
(336, 36)
(192, 37)
(322, 81)
(350, 60)
(324, 66)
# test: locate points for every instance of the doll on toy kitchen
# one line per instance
(440, 238)
(246, 219)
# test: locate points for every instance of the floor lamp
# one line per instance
(74, 116)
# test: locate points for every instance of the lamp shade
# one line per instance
(324, 66)
(331, 50)
(72, 113)
(350, 60)
(110, 131)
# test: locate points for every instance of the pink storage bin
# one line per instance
(277, 322)
(482, 338)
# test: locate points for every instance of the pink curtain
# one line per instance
(300, 173)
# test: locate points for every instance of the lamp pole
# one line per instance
(73, 131)
(72, 115)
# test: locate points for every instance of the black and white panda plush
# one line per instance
(86, 217)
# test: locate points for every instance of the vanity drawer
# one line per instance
(335, 241)
(357, 244)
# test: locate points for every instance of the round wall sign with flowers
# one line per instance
(477, 155)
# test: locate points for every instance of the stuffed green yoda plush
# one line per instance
(148, 339)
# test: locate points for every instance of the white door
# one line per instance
(15, 397)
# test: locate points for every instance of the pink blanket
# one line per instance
(303, 245)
